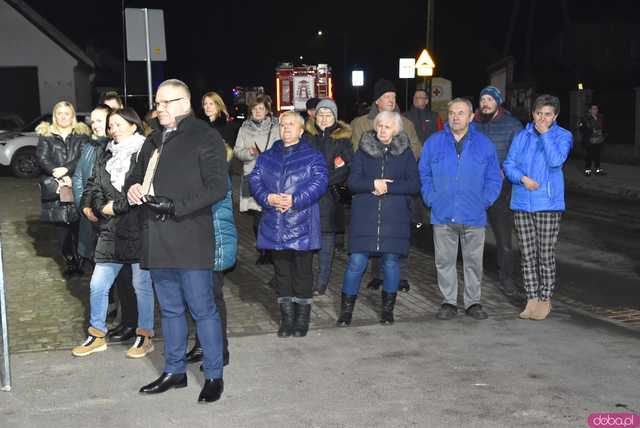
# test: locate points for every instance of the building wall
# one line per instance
(23, 44)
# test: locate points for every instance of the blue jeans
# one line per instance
(104, 274)
(325, 260)
(357, 264)
(174, 288)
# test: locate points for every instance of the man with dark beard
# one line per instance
(497, 123)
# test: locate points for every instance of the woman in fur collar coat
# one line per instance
(58, 151)
(332, 138)
(383, 178)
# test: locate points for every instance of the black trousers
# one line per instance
(294, 273)
(500, 218)
(256, 221)
(67, 237)
(127, 297)
(218, 298)
(592, 156)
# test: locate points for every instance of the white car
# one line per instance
(18, 148)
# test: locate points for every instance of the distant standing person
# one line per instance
(256, 136)
(58, 151)
(113, 100)
(332, 138)
(218, 116)
(288, 181)
(425, 121)
(534, 166)
(461, 179)
(496, 122)
(592, 128)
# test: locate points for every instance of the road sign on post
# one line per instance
(145, 39)
(407, 70)
(425, 64)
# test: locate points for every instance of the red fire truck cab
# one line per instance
(296, 84)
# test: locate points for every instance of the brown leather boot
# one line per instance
(541, 311)
(532, 304)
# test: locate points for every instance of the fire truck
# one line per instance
(296, 84)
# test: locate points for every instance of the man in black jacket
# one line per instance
(181, 171)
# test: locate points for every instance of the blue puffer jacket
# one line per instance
(501, 130)
(539, 157)
(459, 189)
(298, 170)
(225, 233)
(382, 224)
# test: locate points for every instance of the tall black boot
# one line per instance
(346, 310)
(287, 316)
(303, 315)
(388, 303)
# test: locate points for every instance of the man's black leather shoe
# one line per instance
(165, 382)
(211, 391)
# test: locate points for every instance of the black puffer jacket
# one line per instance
(52, 152)
(118, 236)
(335, 145)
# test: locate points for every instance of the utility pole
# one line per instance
(430, 21)
(429, 46)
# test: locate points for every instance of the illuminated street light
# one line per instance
(320, 33)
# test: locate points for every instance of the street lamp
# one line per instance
(320, 33)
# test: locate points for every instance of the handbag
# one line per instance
(66, 194)
(48, 188)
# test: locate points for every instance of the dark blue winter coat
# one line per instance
(539, 157)
(382, 224)
(501, 130)
(298, 170)
(224, 232)
(459, 189)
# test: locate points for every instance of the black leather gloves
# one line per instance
(161, 205)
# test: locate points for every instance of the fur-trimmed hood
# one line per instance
(342, 132)
(374, 148)
(46, 129)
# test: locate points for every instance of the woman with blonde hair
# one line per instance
(256, 136)
(59, 145)
(218, 117)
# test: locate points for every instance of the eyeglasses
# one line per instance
(164, 104)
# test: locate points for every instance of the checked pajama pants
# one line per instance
(537, 235)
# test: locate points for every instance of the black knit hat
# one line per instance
(312, 103)
(381, 87)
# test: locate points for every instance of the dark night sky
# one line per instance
(217, 44)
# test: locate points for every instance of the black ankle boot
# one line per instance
(346, 310)
(287, 317)
(196, 352)
(303, 315)
(388, 303)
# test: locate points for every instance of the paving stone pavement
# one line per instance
(47, 311)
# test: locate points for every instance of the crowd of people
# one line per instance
(148, 206)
